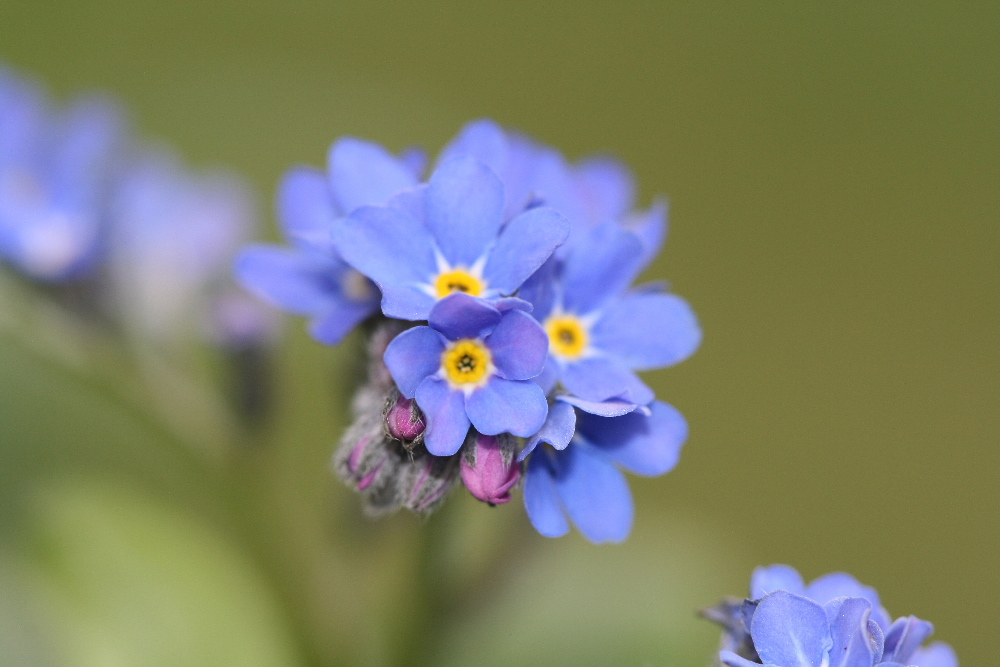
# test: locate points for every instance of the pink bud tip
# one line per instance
(490, 479)
(404, 420)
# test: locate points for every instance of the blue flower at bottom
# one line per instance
(471, 365)
(833, 622)
(574, 468)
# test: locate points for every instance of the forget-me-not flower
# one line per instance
(448, 237)
(471, 366)
(310, 278)
(55, 167)
(833, 622)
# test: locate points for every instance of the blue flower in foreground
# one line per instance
(833, 622)
(310, 278)
(448, 237)
(472, 365)
(574, 468)
(600, 334)
(54, 169)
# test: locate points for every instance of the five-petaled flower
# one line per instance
(471, 365)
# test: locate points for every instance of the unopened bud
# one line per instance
(489, 470)
(404, 421)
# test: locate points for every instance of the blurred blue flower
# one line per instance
(54, 171)
(577, 454)
(174, 232)
(833, 622)
(310, 278)
(447, 237)
(471, 365)
(599, 333)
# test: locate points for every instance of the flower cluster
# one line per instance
(505, 275)
(834, 621)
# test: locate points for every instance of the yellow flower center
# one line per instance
(466, 361)
(567, 336)
(458, 281)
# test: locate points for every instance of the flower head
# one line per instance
(471, 366)
(449, 237)
(833, 622)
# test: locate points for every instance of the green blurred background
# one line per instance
(833, 173)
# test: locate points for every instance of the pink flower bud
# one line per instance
(489, 470)
(404, 421)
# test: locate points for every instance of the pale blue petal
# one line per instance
(775, 578)
(646, 331)
(507, 406)
(549, 376)
(518, 345)
(444, 410)
(464, 208)
(790, 631)
(937, 654)
(540, 289)
(905, 636)
(613, 407)
(594, 493)
(412, 356)
(601, 378)
(482, 139)
(646, 445)
(289, 279)
(460, 316)
(602, 264)
(607, 188)
(651, 228)
(558, 429)
(306, 208)
(364, 173)
(838, 585)
(853, 644)
(523, 246)
(333, 325)
(541, 500)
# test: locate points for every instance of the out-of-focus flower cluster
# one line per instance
(89, 209)
(506, 331)
(834, 621)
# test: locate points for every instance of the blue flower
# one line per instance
(472, 365)
(54, 171)
(310, 278)
(599, 333)
(448, 237)
(577, 453)
(173, 236)
(833, 622)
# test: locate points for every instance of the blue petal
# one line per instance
(601, 378)
(765, 580)
(444, 410)
(838, 585)
(396, 251)
(853, 645)
(462, 316)
(790, 631)
(523, 246)
(519, 346)
(594, 493)
(558, 429)
(651, 228)
(412, 356)
(364, 173)
(306, 208)
(464, 209)
(904, 637)
(549, 376)
(607, 188)
(333, 325)
(643, 445)
(507, 406)
(299, 282)
(552, 183)
(540, 289)
(612, 407)
(730, 659)
(541, 500)
(414, 158)
(603, 262)
(937, 654)
(482, 139)
(646, 331)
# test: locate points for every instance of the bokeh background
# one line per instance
(832, 170)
